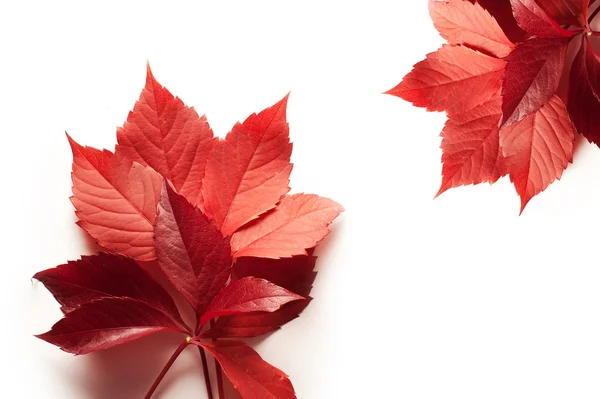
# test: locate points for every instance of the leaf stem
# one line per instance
(218, 371)
(162, 374)
(206, 373)
(591, 18)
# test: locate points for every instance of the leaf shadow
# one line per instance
(579, 144)
(128, 371)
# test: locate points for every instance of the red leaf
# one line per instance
(250, 294)
(255, 324)
(163, 133)
(439, 83)
(538, 148)
(502, 11)
(115, 200)
(536, 22)
(461, 22)
(532, 75)
(295, 274)
(105, 275)
(471, 148)
(300, 221)
(250, 375)
(584, 104)
(190, 249)
(107, 322)
(248, 172)
(566, 12)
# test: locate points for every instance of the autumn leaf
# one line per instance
(299, 222)
(214, 215)
(530, 137)
(161, 132)
(115, 200)
(248, 172)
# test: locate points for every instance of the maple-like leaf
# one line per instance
(299, 222)
(584, 104)
(105, 275)
(295, 274)
(107, 322)
(471, 146)
(163, 133)
(248, 172)
(249, 374)
(538, 148)
(502, 12)
(190, 250)
(533, 19)
(439, 83)
(115, 200)
(249, 294)
(461, 22)
(532, 76)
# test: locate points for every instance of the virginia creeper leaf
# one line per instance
(249, 294)
(532, 75)
(584, 104)
(190, 249)
(299, 221)
(502, 12)
(106, 322)
(471, 146)
(295, 274)
(566, 12)
(163, 133)
(115, 200)
(105, 275)
(536, 22)
(461, 22)
(439, 83)
(248, 172)
(250, 375)
(538, 148)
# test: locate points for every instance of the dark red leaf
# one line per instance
(299, 222)
(190, 250)
(105, 275)
(248, 172)
(107, 322)
(538, 148)
(532, 75)
(250, 375)
(471, 146)
(584, 106)
(163, 133)
(461, 22)
(115, 200)
(249, 294)
(566, 12)
(536, 22)
(439, 83)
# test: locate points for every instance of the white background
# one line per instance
(457, 297)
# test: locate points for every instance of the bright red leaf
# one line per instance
(471, 147)
(461, 22)
(532, 75)
(191, 250)
(107, 322)
(502, 12)
(299, 222)
(161, 132)
(105, 275)
(440, 82)
(173, 193)
(538, 148)
(248, 172)
(249, 294)
(250, 375)
(115, 200)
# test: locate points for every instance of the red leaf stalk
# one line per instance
(165, 369)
